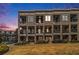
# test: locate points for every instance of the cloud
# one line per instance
(7, 27)
(3, 26)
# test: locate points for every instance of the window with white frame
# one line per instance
(47, 18)
(65, 17)
(30, 18)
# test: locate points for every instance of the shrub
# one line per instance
(3, 49)
(0, 40)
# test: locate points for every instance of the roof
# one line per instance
(48, 10)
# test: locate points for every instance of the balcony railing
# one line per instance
(31, 32)
(56, 31)
(65, 31)
(22, 31)
(73, 30)
(56, 18)
(73, 18)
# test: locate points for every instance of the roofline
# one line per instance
(48, 10)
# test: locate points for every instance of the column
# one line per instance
(61, 32)
(43, 34)
(52, 32)
(78, 27)
(69, 30)
(27, 34)
(19, 35)
(35, 35)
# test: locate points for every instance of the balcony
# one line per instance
(23, 30)
(65, 38)
(22, 19)
(23, 39)
(39, 39)
(56, 28)
(74, 38)
(73, 18)
(39, 19)
(56, 18)
(48, 38)
(31, 30)
(30, 38)
(39, 29)
(48, 29)
(73, 28)
(65, 28)
(57, 38)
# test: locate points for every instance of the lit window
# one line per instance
(65, 17)
(47, 30)
(48, 18)
(39, 30)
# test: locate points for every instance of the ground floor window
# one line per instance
(48, 38)
(39, 38)
(65, 38)
(23, 38)
(30, 38)
(74, 37)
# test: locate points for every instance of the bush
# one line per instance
(0, 40)
(3, 49)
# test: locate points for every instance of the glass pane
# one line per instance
(48, 18)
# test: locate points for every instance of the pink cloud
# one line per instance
(3, 26)
(7, 27)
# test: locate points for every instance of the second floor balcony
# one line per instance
(39, 30)
(65, 28)
(31, 30)
(23, 30)
(74, 28)
(56, 29)
(48, 29)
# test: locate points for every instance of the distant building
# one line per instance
(7, 36)
(48, 26)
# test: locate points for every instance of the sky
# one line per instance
(9, 11)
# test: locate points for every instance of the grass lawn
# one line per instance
(45, 49)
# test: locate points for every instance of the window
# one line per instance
(74, 28)
(74, 37)
(56, 28)
(73, 17)
(57, 38)
(56, 18)
(48, 29)
(39, 19)
(23, 30)
(39, 29)
(31, 29)
(30, 18)
(22, 19)
(65, 28)
(65, 17)
(47, 18)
